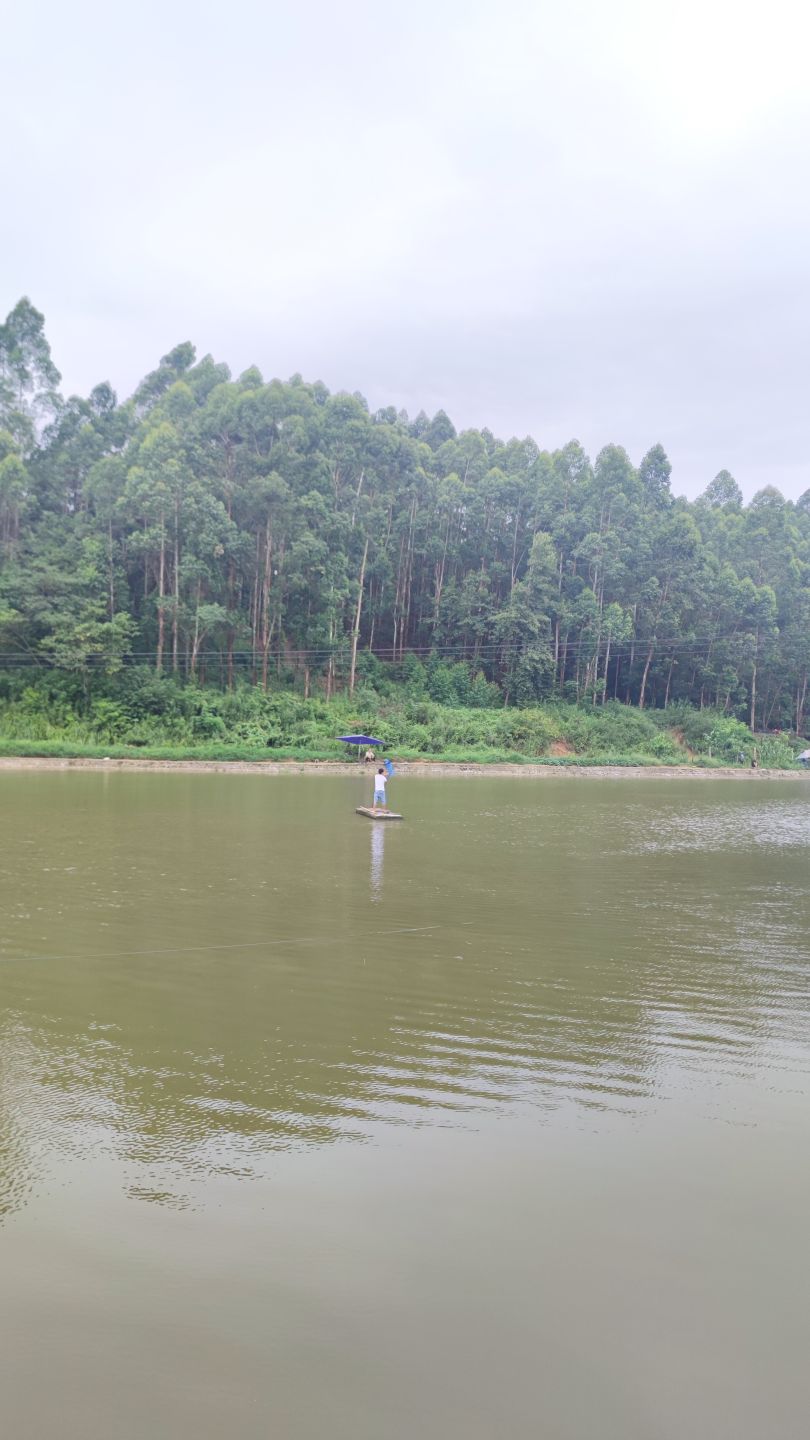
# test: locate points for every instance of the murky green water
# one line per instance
(493, 1123)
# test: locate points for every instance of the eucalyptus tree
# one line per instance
(208, 520)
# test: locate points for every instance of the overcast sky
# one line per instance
(583, 219)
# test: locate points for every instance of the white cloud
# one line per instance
(590, 219)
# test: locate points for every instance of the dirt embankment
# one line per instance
(404, 767)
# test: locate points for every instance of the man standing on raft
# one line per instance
(379, 790)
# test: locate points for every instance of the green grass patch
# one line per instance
(155, 718)
(75, 750)
(475, 755)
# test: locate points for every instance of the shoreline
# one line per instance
(418, 768)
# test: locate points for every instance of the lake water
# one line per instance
(492, 1123)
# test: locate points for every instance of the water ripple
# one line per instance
(595, 968)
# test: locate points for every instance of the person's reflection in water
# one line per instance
(377, 850)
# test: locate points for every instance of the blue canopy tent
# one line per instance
(360, 741)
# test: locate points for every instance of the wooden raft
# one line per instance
(376, 814)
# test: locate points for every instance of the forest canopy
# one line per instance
(268, 532)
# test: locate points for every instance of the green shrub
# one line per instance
(727, 738)
(776, 753)
(144, 711)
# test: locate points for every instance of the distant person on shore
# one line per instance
(369, 755)
(379, 789)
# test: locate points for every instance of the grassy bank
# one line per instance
(157, 719)
(65, 750)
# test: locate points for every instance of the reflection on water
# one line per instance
(540, 954)
(377, 856)
(292, 1104)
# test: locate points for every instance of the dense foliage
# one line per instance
(219, 530)
(146, 714)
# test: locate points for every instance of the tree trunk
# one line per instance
(176, 615)
(357, 496)
(397, 599)
(406, 617)
(358, 612)
(111, 570)
(801, 699)
(770, 706)
(161, 583)
(556, 650)
(596, 661)
(195, 644)
(255, 590)
(374, 609)
(607, 663)
(439, 582)
(330, 669)
(669, 682)
(648, 663)
(265, 611)
(514, 547)
(632, 652)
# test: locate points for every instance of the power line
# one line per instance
(489, 649)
